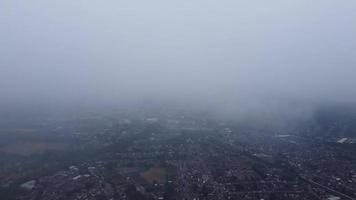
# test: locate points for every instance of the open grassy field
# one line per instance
(155, 174)
(31, 148)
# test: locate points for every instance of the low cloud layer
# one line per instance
(232, 54)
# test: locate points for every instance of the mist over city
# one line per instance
(181, 100)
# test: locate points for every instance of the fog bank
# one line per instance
(232, 56)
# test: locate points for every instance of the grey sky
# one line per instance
(198, 50)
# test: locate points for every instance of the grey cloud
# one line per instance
(233, 53)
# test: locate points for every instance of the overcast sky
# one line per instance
(228, 51)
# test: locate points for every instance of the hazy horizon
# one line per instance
(227, 55)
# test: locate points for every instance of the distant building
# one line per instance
(334, 198)
(28, 185)
(342, 140)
